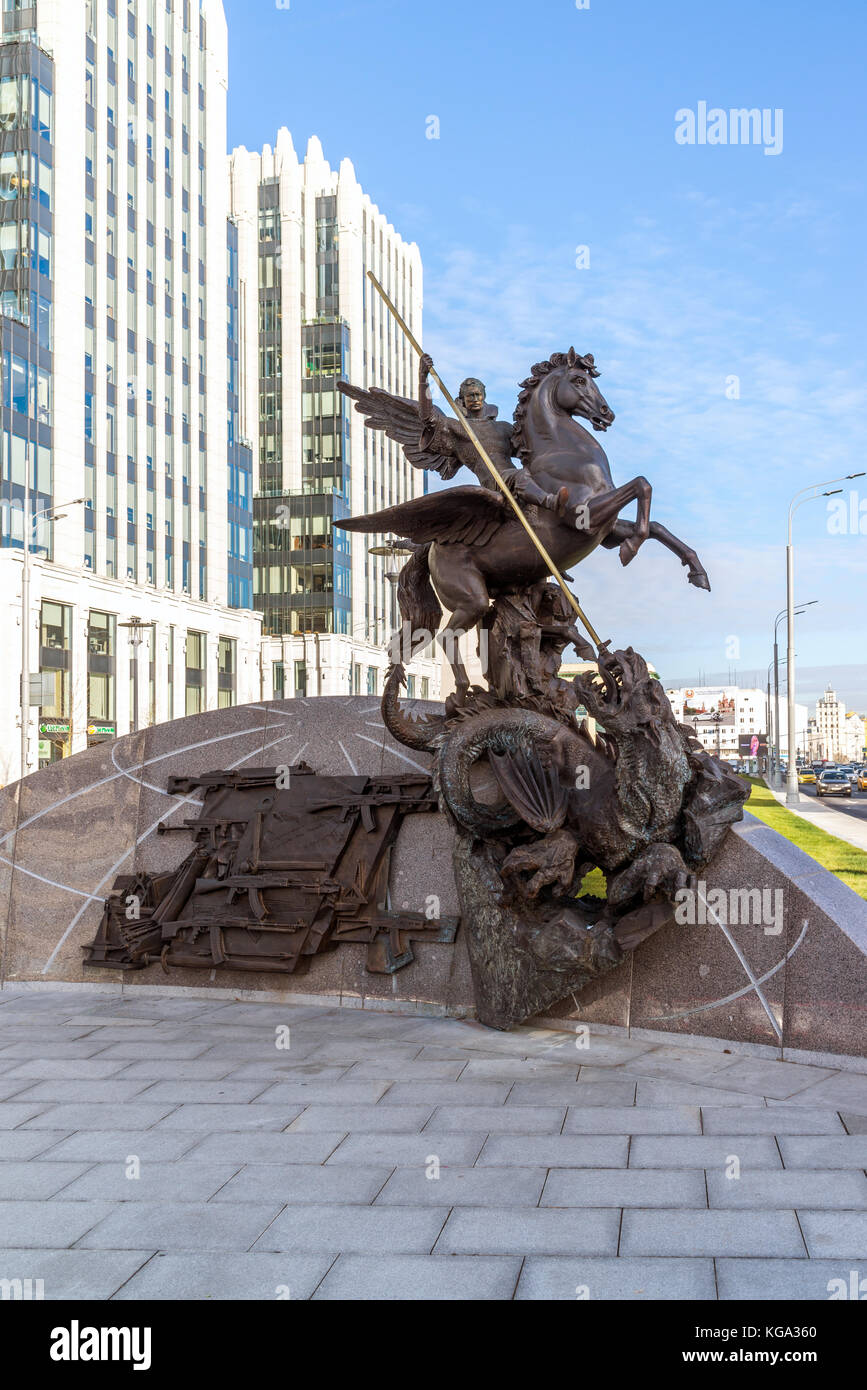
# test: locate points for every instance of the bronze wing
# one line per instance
(456, 515)
(398, 416)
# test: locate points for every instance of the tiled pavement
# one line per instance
(157, 1147)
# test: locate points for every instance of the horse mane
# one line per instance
(538, 372)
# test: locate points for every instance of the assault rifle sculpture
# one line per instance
(283, 869)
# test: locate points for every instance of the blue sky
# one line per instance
(557, 130)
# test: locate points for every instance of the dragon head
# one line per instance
(621, 694)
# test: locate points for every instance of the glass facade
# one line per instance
(26, 267)
(240, 459)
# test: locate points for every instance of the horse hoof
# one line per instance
(699, 579)
(629, 550)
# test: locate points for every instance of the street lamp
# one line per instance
(29, 522)
(792, 794)
(799, 608)
(136, 627)
(391, 549)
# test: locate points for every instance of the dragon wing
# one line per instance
(398, 416)
(465, 515)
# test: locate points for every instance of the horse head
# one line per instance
(575, 391)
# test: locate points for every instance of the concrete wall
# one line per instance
(66, 832)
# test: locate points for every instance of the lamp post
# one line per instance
(806, 494)
(799, 608)
(136, 628)
(46, 513)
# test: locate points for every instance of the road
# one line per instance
(856, 805)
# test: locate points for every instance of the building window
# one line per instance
(55, 724)
(195, 672)
(101, 656)
(279, 680)
(300, 679)
(371, 680)
(227, 662)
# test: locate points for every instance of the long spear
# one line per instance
(484, 456)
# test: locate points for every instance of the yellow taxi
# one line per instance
(805, 775)
(862, 780)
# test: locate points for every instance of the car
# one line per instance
(833, 783)
(862, 780)
(806, 775)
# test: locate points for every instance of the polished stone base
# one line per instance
(795, 978)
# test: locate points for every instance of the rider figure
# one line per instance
(442, 435)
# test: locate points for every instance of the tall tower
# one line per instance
(118, 369)
(307, 235)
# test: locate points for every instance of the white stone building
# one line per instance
(742, 711)
(836, 734)
(309, 318)
(118, 386)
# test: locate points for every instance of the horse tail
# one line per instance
(419, 605)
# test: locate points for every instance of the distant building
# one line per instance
(307, 235)
(836, 734)
(721, 715)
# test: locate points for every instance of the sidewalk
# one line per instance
(820, 814)
(168, 1148)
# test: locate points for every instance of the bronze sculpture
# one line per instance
(470, 549)
(542, 779)
(536, 799)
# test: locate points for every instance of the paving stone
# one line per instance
(434, 1093)
(845, 1091)
(799, 1120)
(829, 1151)
(682, 1064)
(26, 1050)
(205, 1092)
(788, 1281)
(519, 1069)
(27, 1143)
(53, 1225)
(18, 1088)
(453, 1187)
(174, 1225)
(186, 1181)
(289, 1070)
(263, 1146)
(618, 1092)
(710, 1151)
(233, 1277)
(499, 1119)
(116, 1145)
(652, 1092)
(832, 1189)
(623, 1187)
(353, 1050)
(620, 1280)
(12, 1114)
(855, 1124)
(711, 1233)
(172, 1051)
(355, 1230)
(409, 1150)
(373, 1069)
(527, 1231)
(29, 1181)
(671, 1119)
(387, 1119)
(397, 1278)
(74, 1274)
(835, 1233)
(312, 1091)
(69, 1092)
(130, 1115)
(765, 1078)
(554, 1151)
(213, 1118)
(305, 1183)
(162, 1069)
